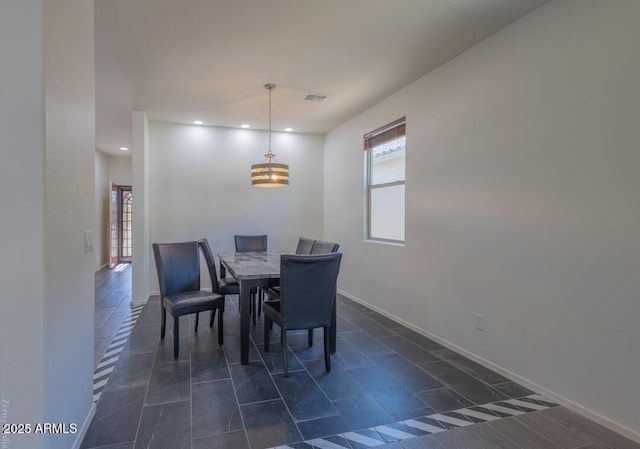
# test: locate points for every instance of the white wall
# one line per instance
(70, 210)
(120, 170)
(48, 129)
(201, 187)
(23, 213)
(522, 204)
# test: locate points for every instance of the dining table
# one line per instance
(258, 269)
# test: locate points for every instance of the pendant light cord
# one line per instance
(270, 87)
(270, 118)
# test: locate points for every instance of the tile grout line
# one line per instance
(109, 359)
(146, 391)
(233, 387)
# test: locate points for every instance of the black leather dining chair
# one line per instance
(246, 243)
(178, 268)
(305, 245)
(220, 286)
(324, 247)
(307, 288)
(249, 243)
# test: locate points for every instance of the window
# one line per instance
(385, 153)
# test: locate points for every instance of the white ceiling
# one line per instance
(184, 60)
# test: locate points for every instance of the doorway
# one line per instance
(120, 226)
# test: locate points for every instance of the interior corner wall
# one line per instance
(69, 92)
(521, 204)
(201, 187)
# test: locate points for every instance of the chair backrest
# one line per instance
(304, 245)
(178, 267)
(324, 247)
(246, 243)
(307, 289)
(211, 265)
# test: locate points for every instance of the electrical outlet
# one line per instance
(480, 322)
(88, 241)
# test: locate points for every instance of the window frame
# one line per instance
(369, 187)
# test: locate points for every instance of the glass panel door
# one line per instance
(126, 205)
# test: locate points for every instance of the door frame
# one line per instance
(113, 232)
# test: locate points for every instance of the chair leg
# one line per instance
(284, 352)
(164, 322)
(267, 326)
(327, 349)
(254, 309)
(197, 319)
(310, 337)
(213, 315)
(220, 328)
(260, 299)
(176, 333)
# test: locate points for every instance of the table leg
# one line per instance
(244, 300)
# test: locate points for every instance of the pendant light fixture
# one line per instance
(269, 173)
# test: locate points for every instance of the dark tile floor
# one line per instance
(389, 387)
(112, 305)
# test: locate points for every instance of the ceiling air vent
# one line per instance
(314, 98)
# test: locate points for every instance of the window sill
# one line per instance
(385, 242)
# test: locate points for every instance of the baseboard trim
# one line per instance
(568, 403)
(140, 302)
(104, 265)
(85, 427)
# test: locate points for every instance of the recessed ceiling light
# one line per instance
(198, 122)
(124, 148)
(245, 126)
(288, 129)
